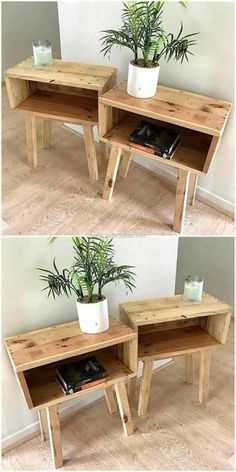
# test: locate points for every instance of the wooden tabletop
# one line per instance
(160, 310)
(61, 72)
(61, 341)
(179, 107)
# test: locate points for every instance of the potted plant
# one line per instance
(142, 32)
(92, 270)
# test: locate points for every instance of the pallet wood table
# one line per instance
(201, 121)
(65, 91)
(36, 354)
(169, 327)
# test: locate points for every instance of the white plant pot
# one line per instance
(142, 81)
(93, 317)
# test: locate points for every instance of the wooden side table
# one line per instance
(201, 121)
(169, 327)
(65, 91)
(36, 354)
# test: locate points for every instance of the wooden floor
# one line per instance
(59, 198)
(178, 433)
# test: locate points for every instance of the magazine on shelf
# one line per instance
(157, 140)
(75, 376)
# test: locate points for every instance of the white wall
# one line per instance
(26, 307)
(210, 72)
(24, 22)
(211, 258)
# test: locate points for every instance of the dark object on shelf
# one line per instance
(160, 141)
(74, 376)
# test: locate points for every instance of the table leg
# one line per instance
(31, 139)
(189, 364)
(125, 164)
(90, 152)
(145, 387)
(204, 379)
(47, 124)
(132, 389)
(123, 404)
(192, 188)
(112, 169)
(43, 424)
(55, 435)
(181, 200)
(110, 399)
(104, 151)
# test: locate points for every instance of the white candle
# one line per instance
(42, 53)
(193, 289)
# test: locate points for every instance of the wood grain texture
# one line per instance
(111, 174)
(204, 380)
(31, 139)
(90, 152)
(124, 409)
(46, 133)
(55, 436)
(43, 422)
(145, 387)
(125, 164)
(159, 310)
(189, 368)
(181, 200)
(64, 195)
(164, 440)
(74, 74)
(62, 341)
(110, 399)
(178, 107)
(192, 187)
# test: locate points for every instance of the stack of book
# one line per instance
(76, 376)
(158, 140)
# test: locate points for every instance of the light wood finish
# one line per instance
(132, 389)
(58, 342)
(178, 107)
(170, 327)
(110, 399)
(204, 381)
(189, 368)
(124, 409)
(160, 310)
(35, 356)
(55, 436)
(73, 74)
(193, 178)
(125, 164)
(91, 152)
(181, 200)
(145, 387)
(112, 169)
(164, 440)
(31, 139)
(104, 151)
(190, 154)
(64, 195)
(43, 422)
(65, 91)
(200, 120)
(46, 133)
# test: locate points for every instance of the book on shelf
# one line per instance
(157, 140)
(75, 376)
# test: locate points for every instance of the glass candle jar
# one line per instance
(193, 287)
(42, 51)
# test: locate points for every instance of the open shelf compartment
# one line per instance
(190, 155)
(65, 103)
(44, 389)
(158, 341)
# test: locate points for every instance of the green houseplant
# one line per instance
(143, 33)
(93, 268)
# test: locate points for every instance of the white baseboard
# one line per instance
(29, 432)
(202, 194)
